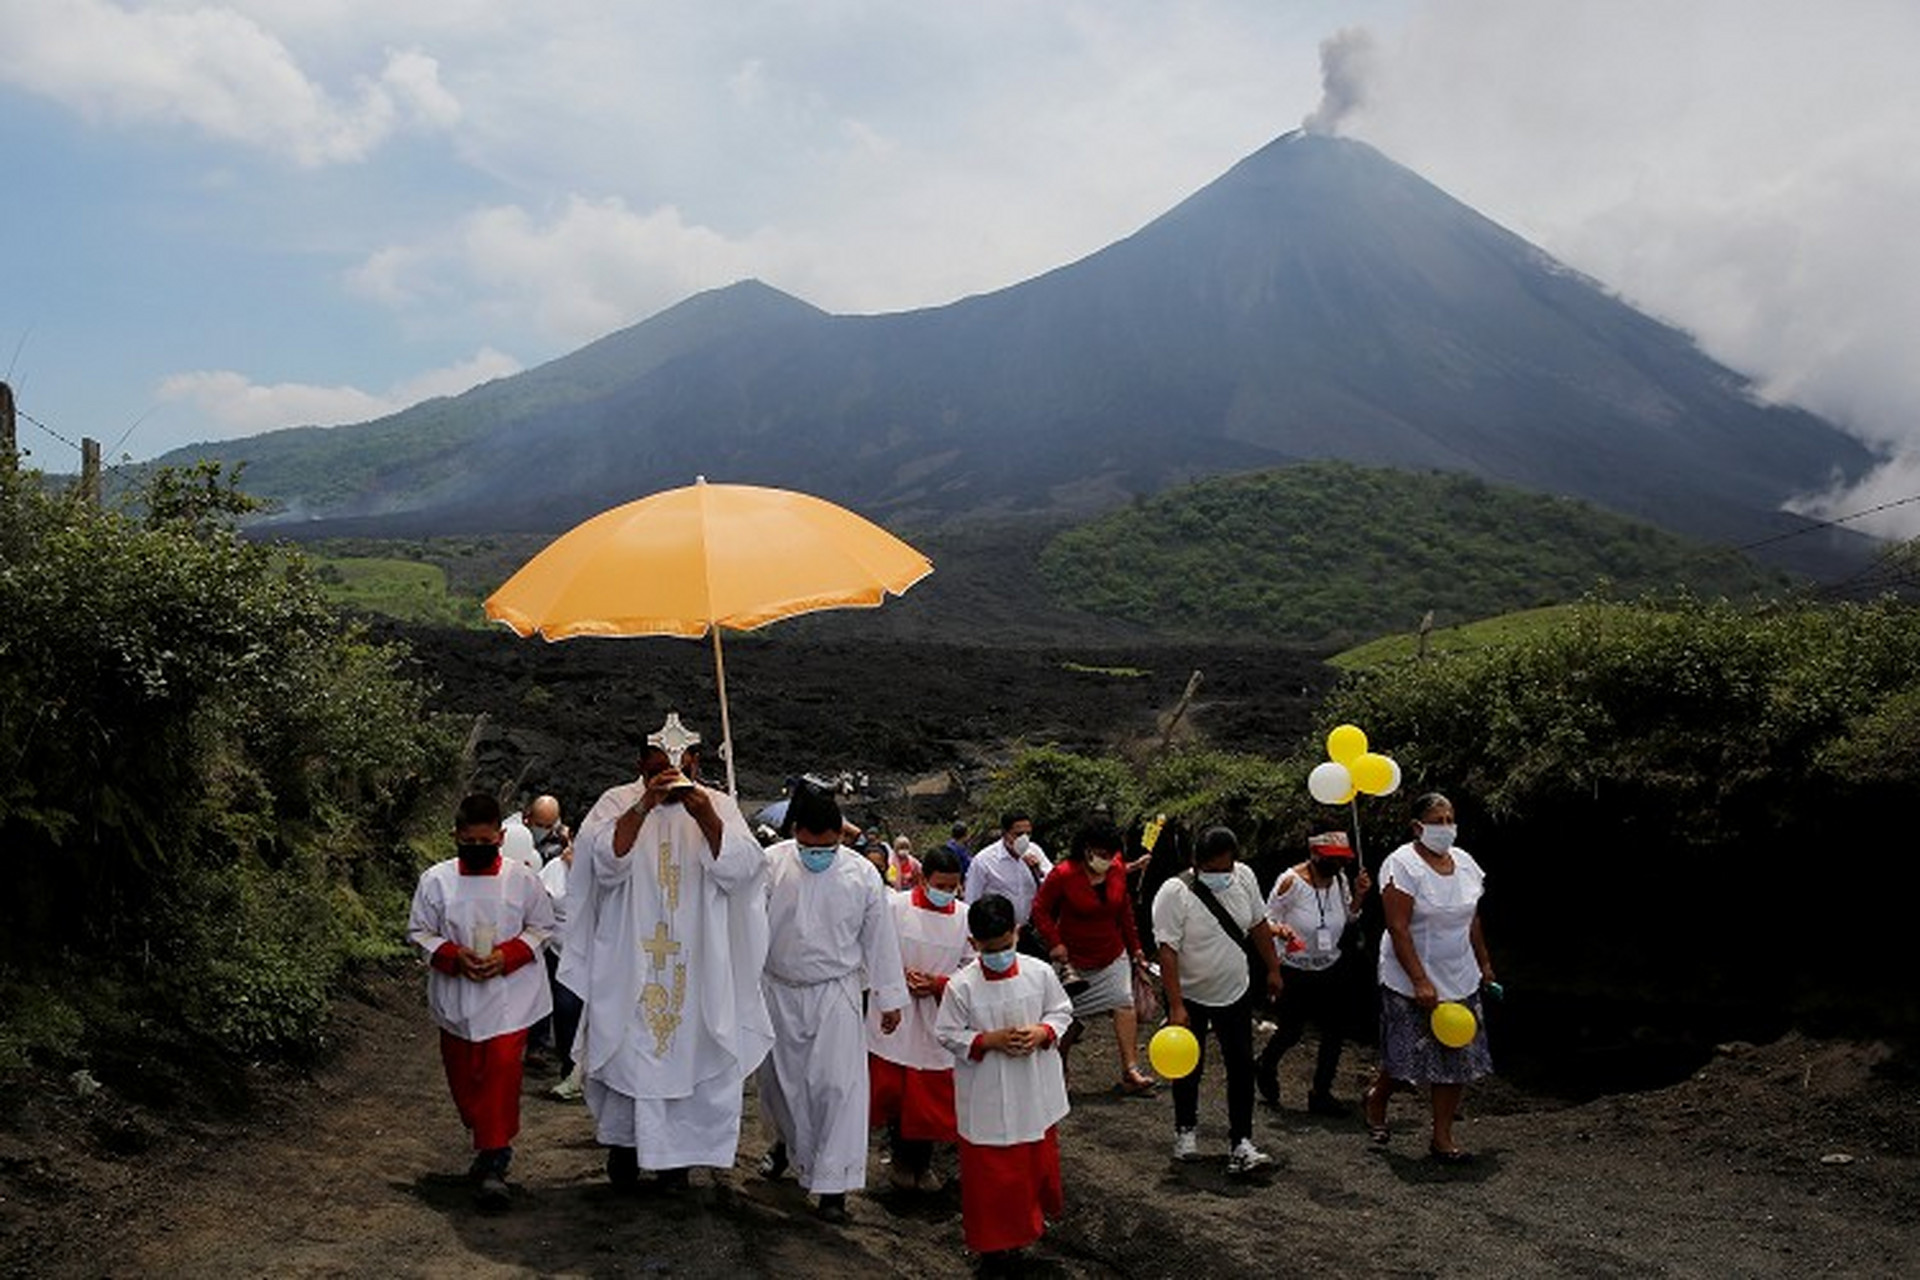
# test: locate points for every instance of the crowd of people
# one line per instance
(666, 954)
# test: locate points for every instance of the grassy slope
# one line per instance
(406, 589)
(1331, 554)
(1485, 633)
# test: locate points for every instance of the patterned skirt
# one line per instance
(1409, 1053)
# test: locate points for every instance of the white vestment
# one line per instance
(665, 946)
(826, 928)
(1002, 1100)
(932, 942)
(480, 913)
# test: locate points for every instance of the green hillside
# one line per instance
(1329, 553)
(1468, 637)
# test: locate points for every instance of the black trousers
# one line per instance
(566, 1015)
(1319, 998)
(1233, 1025)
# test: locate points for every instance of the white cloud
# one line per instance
(1740, 168)
(590, 268)
(234, 405)
(214, 69)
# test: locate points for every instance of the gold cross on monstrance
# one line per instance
(673, 738)
(661, 947)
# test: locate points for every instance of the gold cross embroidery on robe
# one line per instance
(661, 1008)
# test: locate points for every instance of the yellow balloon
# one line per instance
(1372, 773)
(1174, 1052)
(1453, 1024)
(1346, 744)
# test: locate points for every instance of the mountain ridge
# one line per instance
(1317, 300)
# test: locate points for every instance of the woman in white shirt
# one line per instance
(1433, 951)
(1310, 907)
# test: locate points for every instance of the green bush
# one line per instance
(205, 777)
(1683, 799)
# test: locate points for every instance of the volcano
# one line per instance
(1316, 301)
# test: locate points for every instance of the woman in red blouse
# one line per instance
(1084, 913)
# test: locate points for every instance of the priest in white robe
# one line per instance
(666, 937)
(831, 926)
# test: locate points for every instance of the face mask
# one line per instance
(1099, 865)
(477, 856)
(1328, 868)
(1438, 837)
(818, 857)
(540, 832)
(1217, 881)
(999, 961)
(1019, 846)
(939, 898)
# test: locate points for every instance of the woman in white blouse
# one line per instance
(1433, 951)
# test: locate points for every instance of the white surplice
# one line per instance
(480, 912)
(1002, 1100)
(827, 928)
(932, 942)
(665, 947)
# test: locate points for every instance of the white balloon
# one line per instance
(1395, 784)
(1330, 783)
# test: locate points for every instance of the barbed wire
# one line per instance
(24, 416)
(1815, 526)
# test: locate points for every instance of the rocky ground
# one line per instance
(1797, 1157)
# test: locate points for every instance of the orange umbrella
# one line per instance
(690, 561)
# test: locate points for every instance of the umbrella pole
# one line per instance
(726, 725)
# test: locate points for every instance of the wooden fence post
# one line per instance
(9, 437)
(90, 471)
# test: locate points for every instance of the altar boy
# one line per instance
(480, 920)
(1002, 1020)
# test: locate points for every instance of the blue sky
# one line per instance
(224, 218)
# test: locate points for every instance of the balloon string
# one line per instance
(1359, 854)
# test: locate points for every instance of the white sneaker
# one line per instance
(567, 1090)
(1186, 1144)
(1245, 1157)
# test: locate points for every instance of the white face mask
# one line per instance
(1019, 846)
(1438, 836)
(1099, 865)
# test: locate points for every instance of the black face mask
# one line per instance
(478, 857)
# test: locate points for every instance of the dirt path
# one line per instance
(356, 1172)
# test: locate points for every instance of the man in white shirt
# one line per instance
(1013, 867)
(1203, 966)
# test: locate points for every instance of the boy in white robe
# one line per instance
(1002, 1020)
(666, 933)
(910, 1072)
(828, 922)
(481, 920)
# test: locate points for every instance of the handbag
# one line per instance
(1146, 997)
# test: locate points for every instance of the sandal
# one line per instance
(1450, 1155)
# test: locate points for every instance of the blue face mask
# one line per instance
(939, 897)
(818, 857)
(999, 961)
(1217, 881)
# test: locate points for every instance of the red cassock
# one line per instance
(918, 1103)
(1007, 1193)
(484, 1076)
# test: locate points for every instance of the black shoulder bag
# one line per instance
(1256, 963)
